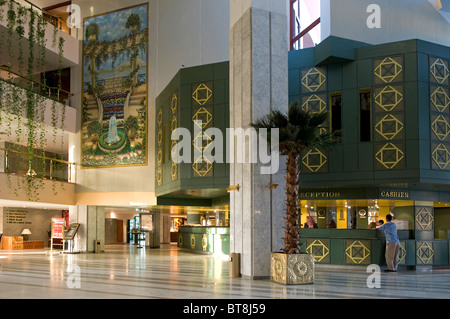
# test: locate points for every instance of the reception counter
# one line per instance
(364, 247)
(332, 246)
(204, 239)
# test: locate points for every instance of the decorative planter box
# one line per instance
(292, 269)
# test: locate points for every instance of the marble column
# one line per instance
(258, 83)
(92, 227)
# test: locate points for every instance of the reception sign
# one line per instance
(114, 99)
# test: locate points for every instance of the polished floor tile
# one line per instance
(125, 272)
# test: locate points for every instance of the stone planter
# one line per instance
(292, 269)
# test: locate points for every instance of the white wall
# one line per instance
(181, 32)
(400, 20)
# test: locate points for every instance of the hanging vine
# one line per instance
(26, 105)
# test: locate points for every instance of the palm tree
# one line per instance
(298, 130)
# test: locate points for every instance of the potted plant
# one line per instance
(95, 129)
(131, 127)
(298, 131)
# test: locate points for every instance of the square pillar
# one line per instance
(258, 83)
(92, 227)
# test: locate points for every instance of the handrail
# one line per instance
(51, 160)
(37, 156)
(34, 82)
(43, 11)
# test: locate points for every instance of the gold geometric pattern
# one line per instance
(160, 117)
(314, 104)
(202, 115)
(202, 141)
(389, 127)
(388, 70)
(439, 71)
(357, 252)
(202, 168)
(440, 99)
(160, 137)
(425, 253)
(440, 127)
(424, 218)
(204, 242)
(159, 176)
(192, 241)
(313, 80)
(318, 249)
(314, 160)
(159, 154)
(402, 253)
(173, 170)
(388, 98)
(202, 94)
(441, 156)
(389, 155)
(174, 103)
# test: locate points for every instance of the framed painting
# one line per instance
(115, 89)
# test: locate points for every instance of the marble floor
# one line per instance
(126, 272)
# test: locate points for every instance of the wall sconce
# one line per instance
(272, 186)
(233, 188)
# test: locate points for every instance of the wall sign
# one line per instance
(394, 194)
(320, 195)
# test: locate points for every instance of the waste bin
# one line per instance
(97, 246)
(235, 265)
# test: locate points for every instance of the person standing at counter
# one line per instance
(392, 243)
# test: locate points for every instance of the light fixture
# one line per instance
(233, 188)
(25, 233)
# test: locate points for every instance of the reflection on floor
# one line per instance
(127, 272)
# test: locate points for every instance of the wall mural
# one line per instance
(114, 100)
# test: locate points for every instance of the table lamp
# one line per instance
(25, 234)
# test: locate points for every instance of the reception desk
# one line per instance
(364, 247)
(204, 239)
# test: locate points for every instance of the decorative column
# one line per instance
(424, 233)
(258, 83)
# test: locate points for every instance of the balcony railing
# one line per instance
(57, 21)
(53, 93)
(17, 162)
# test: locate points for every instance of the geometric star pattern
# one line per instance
(425, 253)
(389, 155)
(357, 252)
(388, 70)
(424, 219)
(313, 80)
(314, 160)
(388, 98)
(389, 127)
(320, 250)
(440, 127)
(440, 99)
(441, 156)
(440, 71)
(202, 94)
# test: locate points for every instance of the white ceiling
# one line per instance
(46, 3)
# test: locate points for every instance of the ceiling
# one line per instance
(46, 3)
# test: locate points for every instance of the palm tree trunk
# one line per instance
(292, 236)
